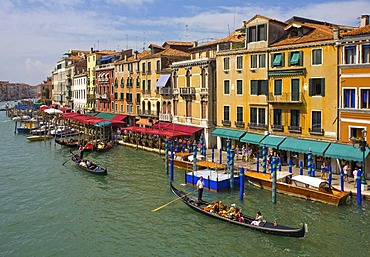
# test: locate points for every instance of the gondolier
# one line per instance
(200, 185)
(81, 150)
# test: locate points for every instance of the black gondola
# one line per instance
(83, 164)
(69, 143)
(265, 227)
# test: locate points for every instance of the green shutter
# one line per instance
(294, 58)
(247, 34)
(265, 31)
(323, 87)
(289, 58)
(310, 88)
(277, 60)
(277, 87)
(264, 87)
(254, 87)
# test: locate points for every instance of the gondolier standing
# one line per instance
(81, 150)
(200, 185)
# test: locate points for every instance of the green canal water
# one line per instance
(47, 209)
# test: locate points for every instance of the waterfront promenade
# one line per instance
(251, 166)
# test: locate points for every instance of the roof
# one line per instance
(359, 31)
(316, 33)
(236, 36)
(156, 46)
(132, 57)
(171, 52)
(174, 43)
(265, 17)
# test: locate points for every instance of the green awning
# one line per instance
(277, 60)
(105, 115)
(272, 141)
(345, 152)
(228, 133)
(285, 73)
(303, 146)
(252, 138)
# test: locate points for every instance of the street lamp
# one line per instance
(362, 146)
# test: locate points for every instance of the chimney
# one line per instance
(364, 20)
(136, 53)
(336, 33)
(244, 24)
(91, 50)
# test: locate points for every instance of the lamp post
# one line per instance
(362, 146)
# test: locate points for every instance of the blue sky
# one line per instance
(36, 33)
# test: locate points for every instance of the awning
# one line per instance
(272, 141)
(228, 133)
(177, 127)
(102, 124)
(107, 58)
(105, 115)
(345, 152)
(303, 146)
(118, 117)
(162, 81)
(252, 138)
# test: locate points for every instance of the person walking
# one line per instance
(200, 186)
(346, 170)
(355, 171)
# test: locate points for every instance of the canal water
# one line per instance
(50, 209)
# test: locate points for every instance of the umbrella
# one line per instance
(53, 111)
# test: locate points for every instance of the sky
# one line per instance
(34, 34)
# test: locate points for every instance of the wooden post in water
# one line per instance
(241, 177)
(341, 180)
(172, 161)
(258, 163)
(273, 174)
(300, 167)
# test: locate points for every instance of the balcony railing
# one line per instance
(316, 131)
(239, 124)
(187, 91)
(286, 98)
(226, 123)
(277, 128)
(165, 117)
(295, 129)
(254, 125)
(165, 91)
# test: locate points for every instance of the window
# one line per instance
(262, 32)
(254, 61)
(188, 109)
(149, 67)
(138, 82)
(121, 96)
(239, 87)
(143, 67)
(149, 85)
(278, 84)
(253, 116)
(295, 58)
(226, 87)
(158, 66)
(262, 60)
(143, 86)
(317, 87)
(294, 119)
(138, 98)
(316, 56)
(204, 110)
(365, 98)
(226, 63)
(138, 67)
(316, 121)
(277, 117)
(257, 33)
(277, 60)
(261, 116)
(366, 54)
(349, 98)
(252, 37)
(227, 113)
(295, 89)
(239, 114)
(239, 62)
(259, 87)
(350, 54)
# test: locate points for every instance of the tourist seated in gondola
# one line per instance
(222, 209)
(232, 211)
(258, 219)
(83, 163)
(215, 208)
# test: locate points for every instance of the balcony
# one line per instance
(226, 123)
(187, 91)
(295, 129)
(254, 125)
(165, 117)
(316, 131)
(239, 124)
(277, 128)
(287, 98)
(166, 91)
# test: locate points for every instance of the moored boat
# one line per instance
(69, 143)
(39, 137)
(300, 186)
(88, 165)
(265, 226)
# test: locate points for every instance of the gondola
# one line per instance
(93, 168)
(265, 227)
(69, 143)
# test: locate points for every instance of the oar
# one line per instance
(164, 205)
(65, 162)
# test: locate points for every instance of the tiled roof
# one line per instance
(317, 33)
(359, 31)
(265, 17)
(155, 46)
(234, 37)
(174, 43)
(139, 56)
(171, 52)
(106, 52)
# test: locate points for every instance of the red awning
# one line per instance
(188, 130)
(118, 117)
(65, 109)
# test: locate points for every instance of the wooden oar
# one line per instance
(65, 162)
(164, 205)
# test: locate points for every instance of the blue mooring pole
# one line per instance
(300, 167)
(231, 168)
(264, 159)
(358, 182)
(290, 167)
(258, 163)
(241, 177)
(313, 169)
(172, 162)
(330, 177)
(273, 170)
(279, 164)
(220, 155)
(213, 154)
(166, 155)
(341, 180)
(194, 156)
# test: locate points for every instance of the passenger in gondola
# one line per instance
(82, 163)
(232, 211)
(258, 219)
(215, 208)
